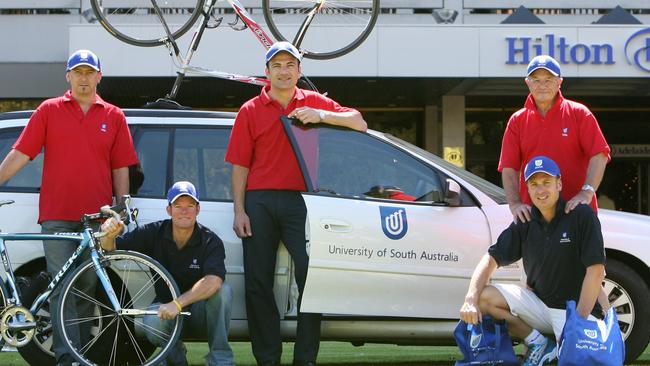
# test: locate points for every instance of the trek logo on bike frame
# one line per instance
(65, 267)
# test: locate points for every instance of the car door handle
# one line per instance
(336, 226)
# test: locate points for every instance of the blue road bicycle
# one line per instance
(104, 299)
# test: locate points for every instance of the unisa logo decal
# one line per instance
(637, 49)
(591, 333)
(393, 222)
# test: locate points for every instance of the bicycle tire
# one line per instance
(143, 282)
(119, 21)
(318, 42)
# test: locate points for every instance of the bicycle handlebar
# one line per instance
(106, 212)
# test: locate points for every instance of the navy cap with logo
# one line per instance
(83, 58)
(182, 188)
(541, 164)
(282, 47)
(544, 62)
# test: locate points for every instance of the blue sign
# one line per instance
(637, 49)
(522, 49)
(393, 222)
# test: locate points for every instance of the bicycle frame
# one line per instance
(241, 13)
(86, 243)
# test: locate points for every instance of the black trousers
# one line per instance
(276, 215)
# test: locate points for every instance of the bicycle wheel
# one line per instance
(338, 27)
(135, 21)
(95, 334)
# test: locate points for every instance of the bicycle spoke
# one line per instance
(155, 331)
(125, 285)
(79, 321)
(94, 340)
(136, 345)
(84, 296)
(151, 283)
(113, 355)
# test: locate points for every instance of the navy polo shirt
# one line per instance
(555, 254)
(203, 254)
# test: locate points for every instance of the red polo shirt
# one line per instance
(569, 134)
(258, 140)
(80, 153)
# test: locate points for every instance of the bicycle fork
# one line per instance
(194, 44)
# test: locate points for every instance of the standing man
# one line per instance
(194, 256)
(559, 128)
(266, 184)
(88, 149)
(564, 259)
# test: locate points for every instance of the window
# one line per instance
(356, 164)
(151, 145)
(28, 179)
(199, 158)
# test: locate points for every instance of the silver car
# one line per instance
(394, 231)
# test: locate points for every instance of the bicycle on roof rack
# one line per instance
(307, 21)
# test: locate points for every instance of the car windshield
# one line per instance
(491, 190)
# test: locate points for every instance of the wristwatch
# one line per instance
(321, 114)
(588, 187)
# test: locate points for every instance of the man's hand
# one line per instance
(112, 228)
(167, 311)
(470, 313)
(242, 225)
(306, 115)
(520, 212)
(582, 197)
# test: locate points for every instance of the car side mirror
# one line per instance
(452, 192)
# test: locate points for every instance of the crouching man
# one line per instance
(194, 256)
(563, 257)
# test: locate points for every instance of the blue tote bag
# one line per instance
(590, 342)
(486, 343)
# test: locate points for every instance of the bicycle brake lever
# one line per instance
(217, 22)
(234, 25)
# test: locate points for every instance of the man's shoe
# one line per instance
(539, 354)
(304, 363)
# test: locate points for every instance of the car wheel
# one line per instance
(629, 295)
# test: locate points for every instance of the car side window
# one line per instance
(359, 165)
(199, 158)
(28, 179)
(152, 147)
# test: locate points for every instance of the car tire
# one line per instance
(629, 294)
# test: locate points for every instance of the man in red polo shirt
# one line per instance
(266, 184)
(88, 149)
(556, 127)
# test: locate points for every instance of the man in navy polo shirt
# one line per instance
(78, 132)
(563, 257)
(194, 256)
(266, 185)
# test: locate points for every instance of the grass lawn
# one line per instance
(332, 353)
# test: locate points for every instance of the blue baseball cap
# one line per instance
(282, 47)
(83, 57)
(544, 62)
(182, 188)
(541, 164)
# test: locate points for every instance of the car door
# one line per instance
(170, 153)
(381, 240)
